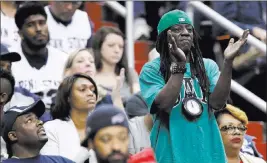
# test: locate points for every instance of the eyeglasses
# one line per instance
(232, 129)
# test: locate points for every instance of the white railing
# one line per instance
(128, 14)
(225, 23)
(237, 88)
(237, 31)
(129, 33)
(116, 7)
(248, 95)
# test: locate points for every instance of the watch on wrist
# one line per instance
(177, 68)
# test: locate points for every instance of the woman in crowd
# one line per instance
(76, 98)
(83, 61)
(232, 123)
(110, 59)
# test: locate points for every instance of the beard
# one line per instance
(109, 159)
(35, 46)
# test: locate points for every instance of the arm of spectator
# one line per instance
(116, 93)
(139, 133)
(148, 122)
(217, 87)
(219, 96)
(135, 86)
(51, 147)
(159, 96)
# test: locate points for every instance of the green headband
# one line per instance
(172, 18)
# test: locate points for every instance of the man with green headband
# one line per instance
(182, 90)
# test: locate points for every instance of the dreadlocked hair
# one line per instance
(196, 63)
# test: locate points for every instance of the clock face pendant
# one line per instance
(192, 108)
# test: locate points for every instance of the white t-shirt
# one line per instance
(9, 31)
(44, 81)
(64, 140)
(139, 135)
(72, 37)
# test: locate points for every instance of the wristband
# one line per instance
(177, 68)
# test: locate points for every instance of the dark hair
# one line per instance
(98, 40)
(7, 75)
(197, 64)
(62, 108)
(27, 9)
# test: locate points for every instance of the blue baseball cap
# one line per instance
(7, 55)
(105, 115)
(28, 104)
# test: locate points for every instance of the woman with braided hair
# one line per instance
(181, 89)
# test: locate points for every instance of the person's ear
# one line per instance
(21, 35)
(12, 136)
(90, 144)
(3, 98)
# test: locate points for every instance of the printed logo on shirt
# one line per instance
(34, 85)
(46, 89)
(8, 34)
(189, 88)
(69, 43)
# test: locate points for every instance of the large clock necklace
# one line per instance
(191, 106)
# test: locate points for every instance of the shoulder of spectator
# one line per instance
(84, 15)
(60, 54)
(208, 63)
(137, 119)
(151, 67)
(250, 158)
(53, 125)
(59, 158)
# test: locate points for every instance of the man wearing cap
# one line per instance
(182, 89)
(7, 57)
(107, 134)
(7, 83)
(24, 134)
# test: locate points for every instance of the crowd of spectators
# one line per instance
(68, 94)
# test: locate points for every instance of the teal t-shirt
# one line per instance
(186, 141)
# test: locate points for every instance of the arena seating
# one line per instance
(257, 129)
